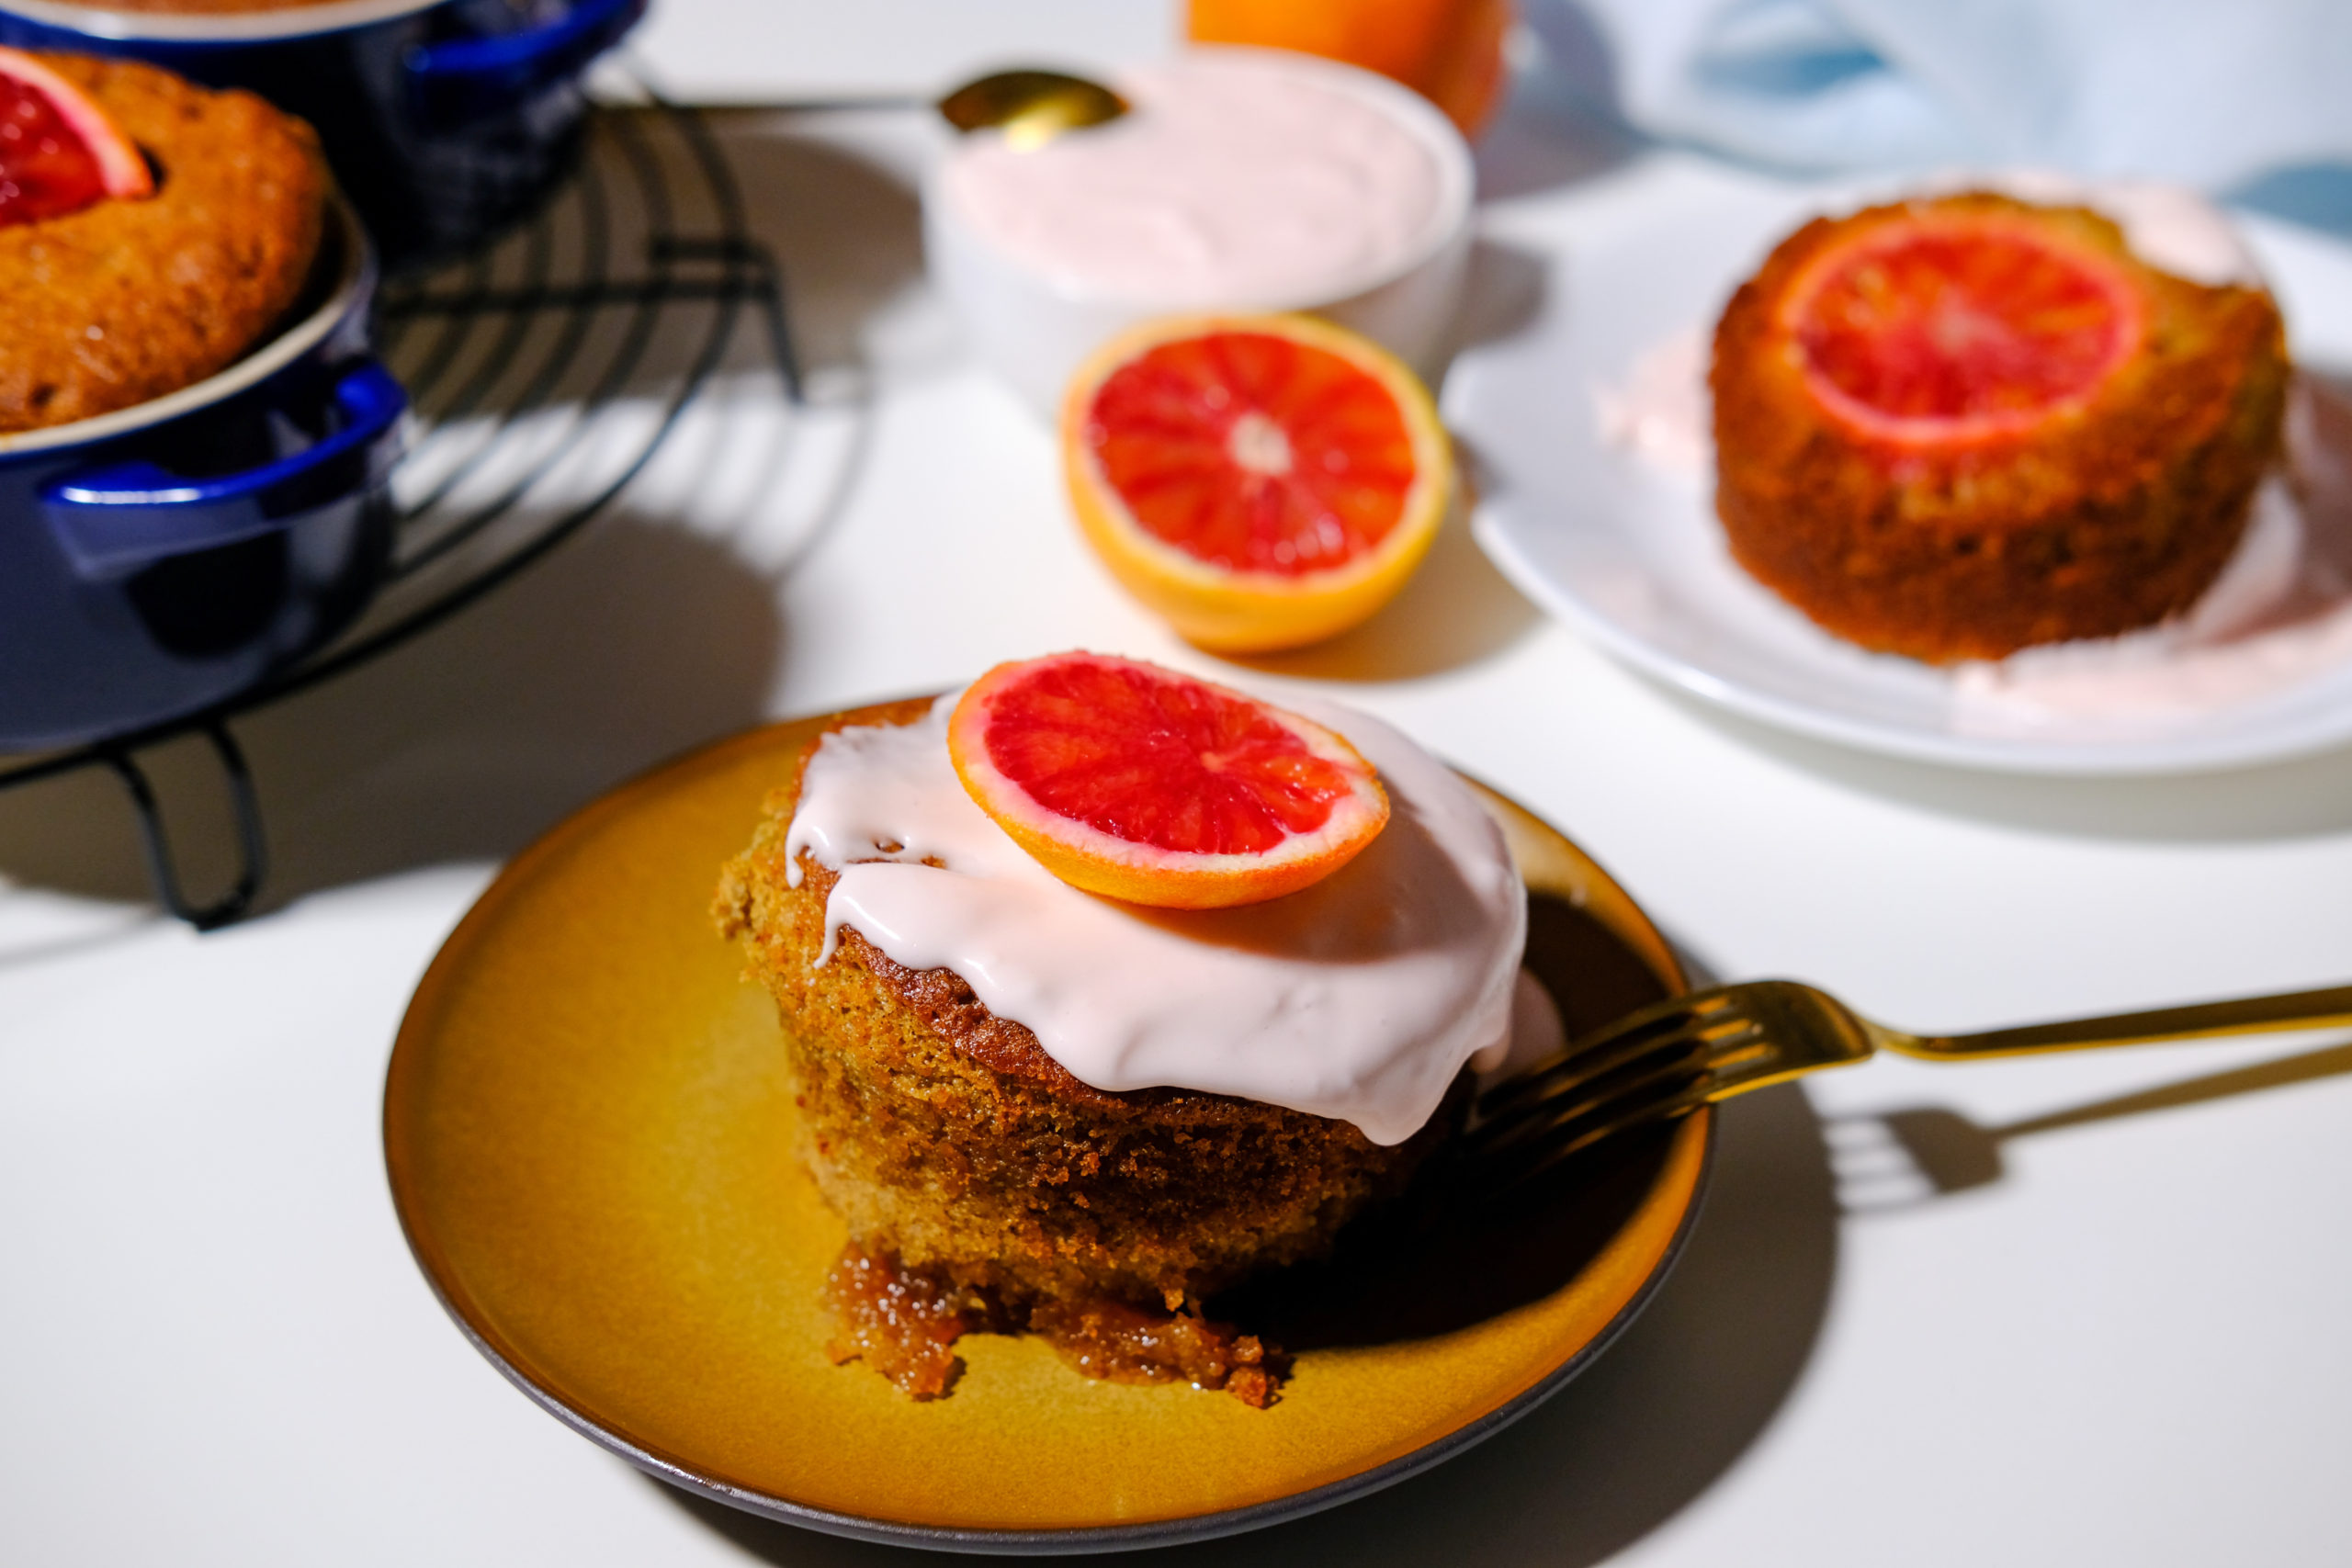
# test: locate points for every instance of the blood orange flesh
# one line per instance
(58, 152)
(1142, 784)
(1263, 481)
(1954, 328)
(1255, 452)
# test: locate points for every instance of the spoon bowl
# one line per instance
(1030, 108)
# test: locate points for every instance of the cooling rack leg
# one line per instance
(234, 905)
(765, 287)
(779, 323)
(733, 273)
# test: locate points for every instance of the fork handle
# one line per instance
(2246, 1015)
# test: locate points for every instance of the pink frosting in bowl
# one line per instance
(1242, 179)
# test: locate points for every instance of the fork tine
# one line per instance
(1535, 1142)
(1661, 1102)
(1657, 1066)
(1661, 1062)
(1658, 1038)
(1533, 1119)
(1677, 1025)
(1705, 1039)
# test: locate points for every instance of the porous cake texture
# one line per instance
(126, 300)
(948, 1137)
(2098, 519)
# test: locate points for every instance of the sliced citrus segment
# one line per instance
(1952, 328)
(58, 152)
(1261, 481)
(1140, 784)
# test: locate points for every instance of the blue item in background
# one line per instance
(443, 119)
(164, 558)
(2242, 99)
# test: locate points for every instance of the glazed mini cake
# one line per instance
(1176, 1098)
(1957, 426)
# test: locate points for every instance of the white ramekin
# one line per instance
(1034, 332)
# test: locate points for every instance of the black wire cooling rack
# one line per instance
(545, 372)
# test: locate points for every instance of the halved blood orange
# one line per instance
(1952, 327)
(1141, 783)
(58, 152)
(1263, 481)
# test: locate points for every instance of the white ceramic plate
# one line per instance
(1631, 554)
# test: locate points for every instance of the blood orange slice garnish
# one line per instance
(1952, 328)
(1261, 481)
(58, 152)
(1140, 784)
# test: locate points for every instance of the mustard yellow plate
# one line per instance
(587, 1127)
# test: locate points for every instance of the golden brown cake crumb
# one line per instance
(2097, 520)
(901, 1323)
(1129, 1344)
(897, 1322)
(950, 1141)
(126, 300)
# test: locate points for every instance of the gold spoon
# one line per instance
(1030, 108)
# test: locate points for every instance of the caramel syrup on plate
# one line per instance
(1423, 1264)
(902, 1323)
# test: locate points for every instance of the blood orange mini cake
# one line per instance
(1084, 1113)
(1954, 428)
(151, 231)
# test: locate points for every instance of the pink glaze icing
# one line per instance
(2280, 615)
(1660, 412)
(1360, 997)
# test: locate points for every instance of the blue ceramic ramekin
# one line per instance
(443, 118)
(163, 558)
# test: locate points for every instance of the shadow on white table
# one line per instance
(661, 627)
(2310, 797)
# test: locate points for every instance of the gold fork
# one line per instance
(1668, 1059)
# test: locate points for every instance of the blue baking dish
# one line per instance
(161, 558)
(443, 119)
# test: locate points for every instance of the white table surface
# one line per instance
(2129, 1343)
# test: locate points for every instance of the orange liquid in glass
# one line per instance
(1451, 52)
